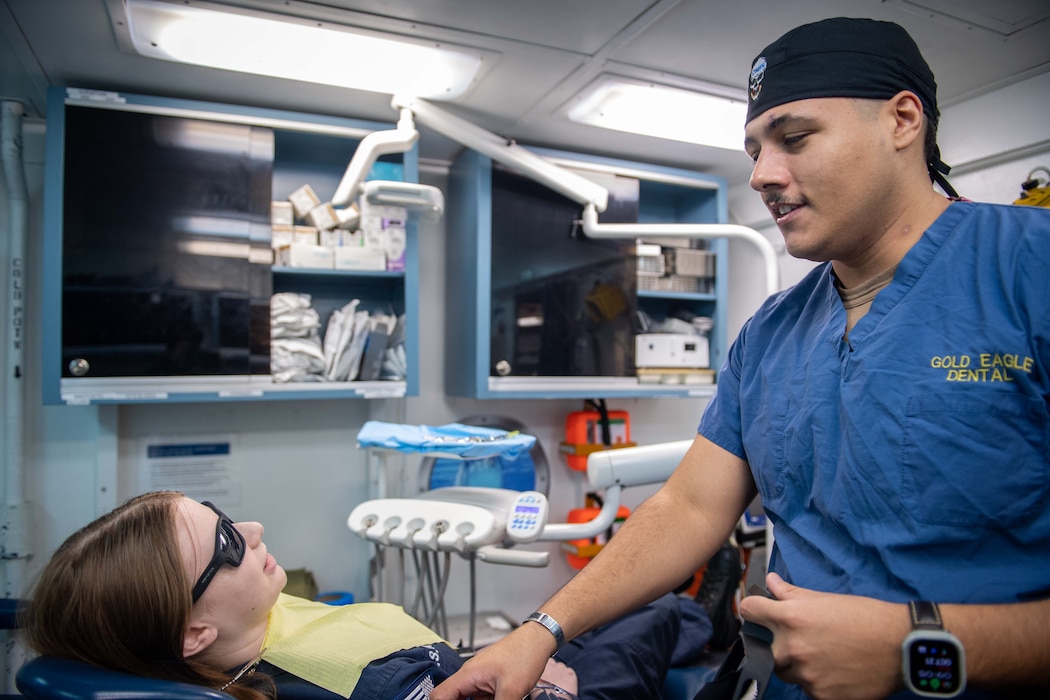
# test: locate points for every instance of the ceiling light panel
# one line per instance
(246, 41)
(641, 107)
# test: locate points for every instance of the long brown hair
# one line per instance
(116, 595)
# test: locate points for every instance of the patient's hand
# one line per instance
(560, 675)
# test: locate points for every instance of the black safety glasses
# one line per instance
(229, 549)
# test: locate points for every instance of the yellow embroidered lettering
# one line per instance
(967, 375)
(950, 362)
(1001, 376)
(1007, 360)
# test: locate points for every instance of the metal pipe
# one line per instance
(15, 550)
(17, 201)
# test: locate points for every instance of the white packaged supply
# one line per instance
(304, 235)
(309, 256)
(359, 258)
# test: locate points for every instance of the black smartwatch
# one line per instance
(933, 659)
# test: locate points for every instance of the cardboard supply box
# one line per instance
(281, 214)
(358, 258)
(307, 256)
(395, 244)
(303, 200)
(322, 217)
(379, 217)
(281, 235)
(384, 227)
(338, 238)
(304, 235)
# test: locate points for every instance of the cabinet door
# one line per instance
(158, 278)
(549, 312)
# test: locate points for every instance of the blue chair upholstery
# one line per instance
(49, 678)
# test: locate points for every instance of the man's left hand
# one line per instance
(835, 646)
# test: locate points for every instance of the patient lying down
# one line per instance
(166, 587)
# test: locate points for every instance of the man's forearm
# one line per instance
(1006, 645)
(644, 560)
(661, 544)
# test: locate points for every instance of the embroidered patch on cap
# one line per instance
(758, 71)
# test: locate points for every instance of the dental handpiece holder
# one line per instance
(471, 521)
(489, 522)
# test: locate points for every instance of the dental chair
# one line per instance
(51, 678)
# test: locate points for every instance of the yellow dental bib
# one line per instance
(330, 645)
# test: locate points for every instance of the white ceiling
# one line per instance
(545, 52)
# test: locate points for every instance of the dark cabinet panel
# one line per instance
(157, 271)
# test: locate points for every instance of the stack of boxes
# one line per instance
(307, 233)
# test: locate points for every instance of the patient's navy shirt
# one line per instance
(626, 658)
(409, 674)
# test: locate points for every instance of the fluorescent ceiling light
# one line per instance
(669, 113)
(284, 47)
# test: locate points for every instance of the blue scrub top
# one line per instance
(914, 461)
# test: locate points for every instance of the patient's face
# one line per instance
(237, 595)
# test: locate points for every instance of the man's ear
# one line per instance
(905, 108)
(197, 637)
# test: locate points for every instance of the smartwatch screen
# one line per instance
(934, 666)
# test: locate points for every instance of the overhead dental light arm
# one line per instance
(573, 186)
(591, 195)
(425, 198)
(372, 146)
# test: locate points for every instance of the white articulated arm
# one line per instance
(372, 146)
(614, 470)
(573, 186)
(591, 195)
(425, 198)
(593, 229)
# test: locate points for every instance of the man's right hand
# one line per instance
(506, 670)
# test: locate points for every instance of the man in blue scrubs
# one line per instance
(891, 408)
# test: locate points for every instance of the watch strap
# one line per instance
(551, 624)
(925, 615)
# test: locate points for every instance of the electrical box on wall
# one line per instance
(671, 350)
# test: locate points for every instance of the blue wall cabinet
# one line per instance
(537, 310)
(158, 268)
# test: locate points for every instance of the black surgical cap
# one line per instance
(840, 57)
(844, 57)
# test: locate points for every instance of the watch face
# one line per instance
(935, 666)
